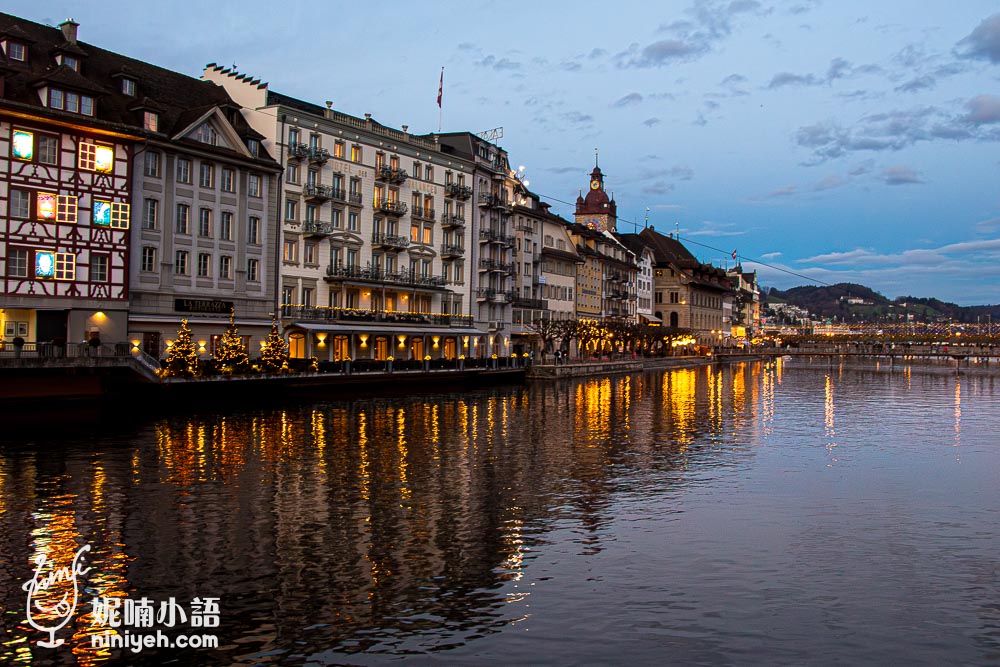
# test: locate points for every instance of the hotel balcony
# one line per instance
(424, 213)
(318, 155)
(535, 304)
(390, 242)
(376, 275)
(390, 175)
(317, 192)
(496, 237)
(453, 221)
(316, 228)
(340, 195)
(390, 207)
(493, 201)
(354, 199)
(331, 314)
(457, 191)
(297, 151)
(452, 250)
(496, 296)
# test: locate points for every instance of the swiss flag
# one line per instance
(440, 88)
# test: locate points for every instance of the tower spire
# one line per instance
(595, 159)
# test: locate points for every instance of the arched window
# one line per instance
(674, 319)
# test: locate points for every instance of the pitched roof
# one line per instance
(667, 250)
(170, 93)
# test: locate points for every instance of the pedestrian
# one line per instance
(558, 357)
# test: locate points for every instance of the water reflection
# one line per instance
(375, 525)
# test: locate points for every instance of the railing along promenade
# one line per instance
(892, 351)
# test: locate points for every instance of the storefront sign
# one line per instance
(202, 306)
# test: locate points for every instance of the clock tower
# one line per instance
(596, 210)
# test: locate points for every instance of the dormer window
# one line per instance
(151, 121)
(70, 101)
(253, 145)
(69, 61)
(17, 51)
(206, 134)
(128, 86)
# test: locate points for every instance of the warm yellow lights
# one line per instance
(435, 339)
(321, 337)
(401, 338)
(99, 316)
(364, 339)
(201, 345)
(465, 341)
(135, 344)
(170, 343)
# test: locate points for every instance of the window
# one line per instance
(310, 253)
(149, 213)
(48, 149)
(65, 266)
(352, 257)
(293, 135)
(151, 121)
(152, 165)
(183, 170)
(148, 262)
(253, 145)
(291, 251)
(128, 87)
(206, 134)
(291, 209)
(292, 173)
(253, 185)
(206, 176)
(226, 226)
(428, 173)
(253, 270)
(428, 235)
(336, 217)
(20, 204)
(17, 51)
(69, 61)
(183, 219)
(313, 142)
(98, 268)
(352, 221)
(379, 160)
(93, 157)
(119, 215)
(70, 101)
(311, 211)
(228, 180)
(307, 296)
(355, 153)
(338, 149)
(205, 222)
(45, 206)
(226, 267)
(181, 263)
(253, 230)
(416, 169)
(204, 265)
(17, 263)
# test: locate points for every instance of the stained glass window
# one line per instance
(105, 159)
(24, 145)
(45, 264)
(102, 213)
(46, 206)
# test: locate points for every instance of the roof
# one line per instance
(668, 250)
(170, 93)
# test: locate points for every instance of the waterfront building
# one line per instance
(607, 278)
(687, 293)
(645, 260)
(745, 319)
(135, 197)
(68, 141)
(380, 229)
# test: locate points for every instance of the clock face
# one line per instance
(595, 184)
(594, 224)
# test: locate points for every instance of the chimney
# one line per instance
(68, 28)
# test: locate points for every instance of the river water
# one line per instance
(765, 513)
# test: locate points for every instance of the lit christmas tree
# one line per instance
(274, 353)
(182, 357)
(231, 355)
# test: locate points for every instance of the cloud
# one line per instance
(771, 255)
(899, 175)
(570, 66)
(658, 188)
(988, 225)
(788, 79)
(628, 100)
(838, 69)
(577, 117)
(650, 122)
(925, 82)
(733, 80)
(983, 110)
(502, 64)
(984, 249)
(562, 170)
(597, 53)
(983, 43)
(829, 182)
(783, 192)
(710, 228)
(659, 53)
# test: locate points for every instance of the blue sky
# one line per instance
(847, 141)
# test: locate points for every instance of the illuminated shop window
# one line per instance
(102, 213)
(45, 206)
(45, 264)
(65, 266)
(23, 145)
(66, 208)
(119, 215)
(96, 158)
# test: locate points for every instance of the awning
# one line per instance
(389, 329)
(651, 319)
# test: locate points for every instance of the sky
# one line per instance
(844, 141)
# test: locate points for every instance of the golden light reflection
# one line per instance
(829, 414)
(404, 488)
(680, 392)
(318, 423)
(365, 465)
(958, 411)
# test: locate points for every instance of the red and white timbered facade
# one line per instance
(64, 229)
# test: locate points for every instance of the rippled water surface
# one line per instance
(759, 514)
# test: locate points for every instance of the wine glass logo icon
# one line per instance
(53, 596)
